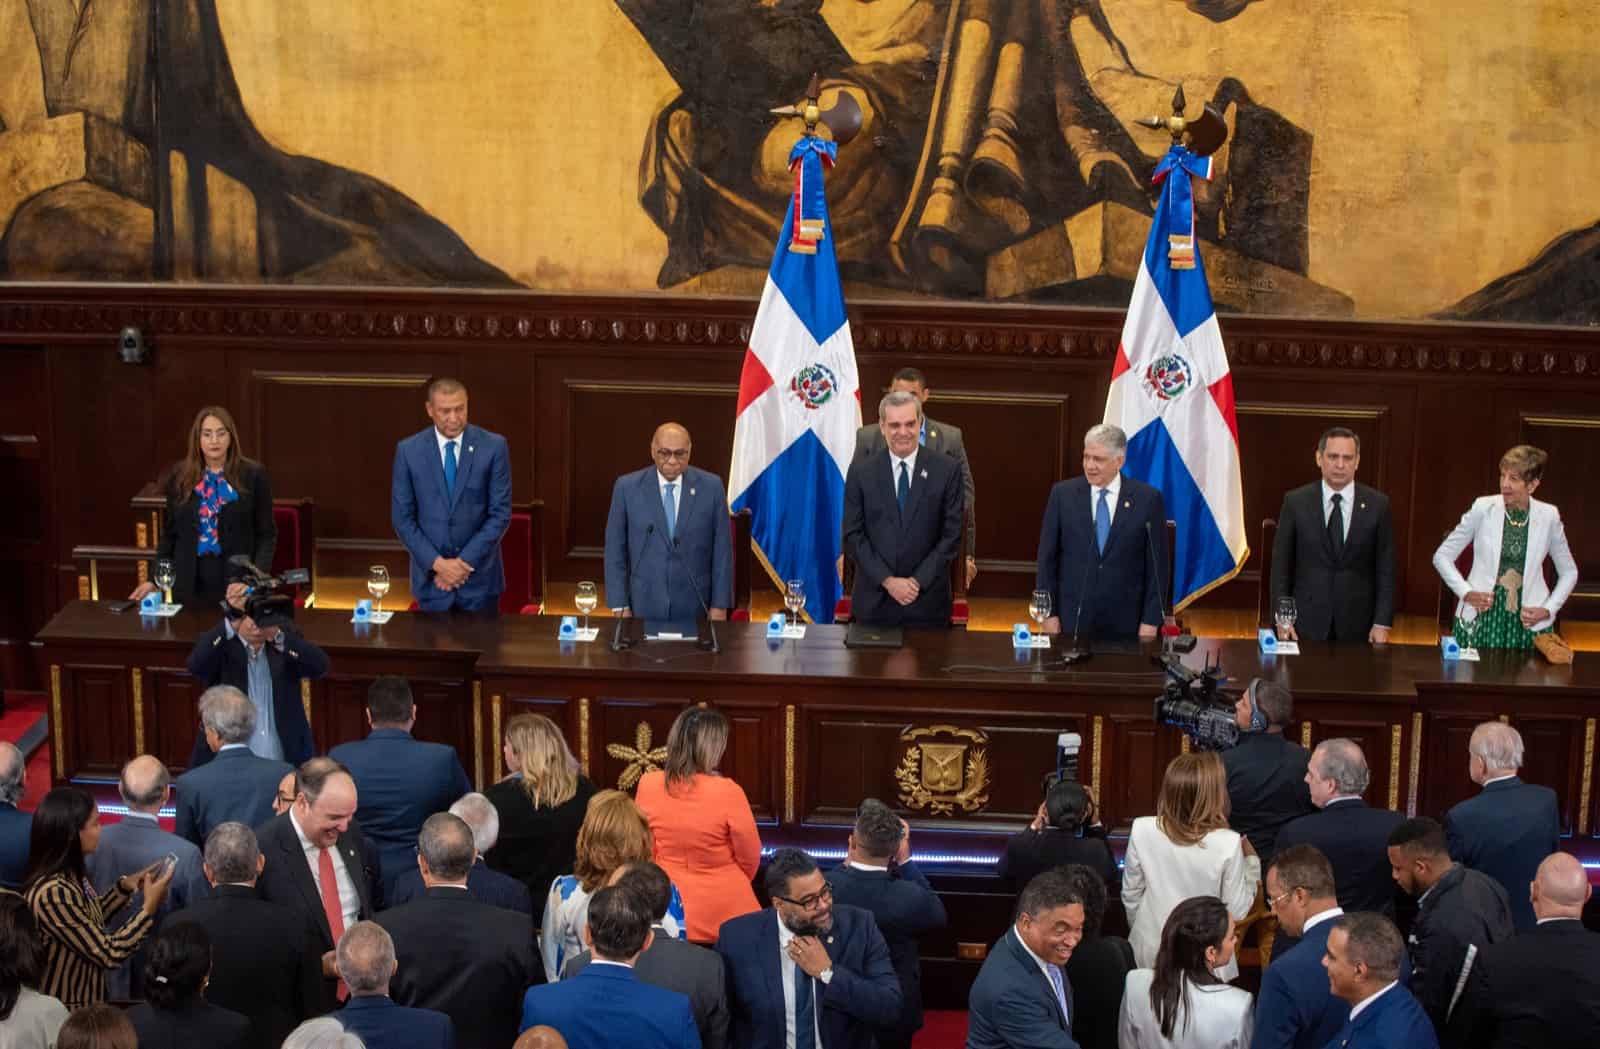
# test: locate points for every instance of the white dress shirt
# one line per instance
(443, 440)
(349, 898)
(677, 498)
(1320, 917)
(1044, 967)
(788, 968)
(1355, 1011)
(1347, 493)
(1112, 491)
(1497, 779)
(911, 470)
(864, 866)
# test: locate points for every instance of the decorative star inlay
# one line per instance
(641, 757)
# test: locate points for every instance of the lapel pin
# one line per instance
(469, 447)
(1127, 504)
(924, 475)
(1363, 506)
(691, 491)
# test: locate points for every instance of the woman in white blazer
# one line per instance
(1186, 850)
(1181, 1004)
(1504, 599)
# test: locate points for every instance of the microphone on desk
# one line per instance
(1076, 654)
(1183, 642)
(710, 644)
(618, 641)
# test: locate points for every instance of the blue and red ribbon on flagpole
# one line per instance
(807, 160)
(1178, 195)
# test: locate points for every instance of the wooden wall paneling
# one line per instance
(1388, 761)
(444, 711)
(1445, 765)
(1570, 431)
(501, 397)
(1137, 753)
(98, 701)
(1553, 758)
(28, 524)
(515, 700)
(172, 715)
(1451, 463)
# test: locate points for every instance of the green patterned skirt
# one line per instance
(1496, 628)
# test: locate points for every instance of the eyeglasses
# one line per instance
(808, 902)
(1273, 901)
(669, 454)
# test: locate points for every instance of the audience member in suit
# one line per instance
(1186, 850)
(28, 1019)
(15, 826)
(1020, 999)
(605, 1005)
(1541, 988)
(902, 524)
(1460, 911)
(176, 1014)
(1098, 969)
(236, 785)
(97, 1026)
(1266, 770)
(703, 831)
(691, 970)
(878, 875)
(1509, 827)
(1296, 1008)
(132, 845)
(366, 965)
(1334, 551)
(323, 1032)
(315, 860)
(265, 961)
(807, 965)
(1114, 525)
(401, 781)
(490, 886)
(267, 664)
(1363, 958)
(1180, 1004)
(450, 505)
(78, 929)
(218, 505)
(669, 550)
(936, 437)
(541, 806)
(288, 790)
(1063, 831)
(1353, 835)
(468, 959)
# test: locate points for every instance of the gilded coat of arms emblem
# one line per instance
(943, 769)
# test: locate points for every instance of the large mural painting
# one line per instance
(1383, 160)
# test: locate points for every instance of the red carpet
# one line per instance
(942, 1029)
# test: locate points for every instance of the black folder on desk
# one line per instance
(865, 635)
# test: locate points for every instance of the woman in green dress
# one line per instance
(1504, 598)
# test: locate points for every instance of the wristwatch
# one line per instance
(826, 975)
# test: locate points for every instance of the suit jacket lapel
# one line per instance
(294, 857)
(686, 501)
(771, 969)
(429, 447)
(1120, 520)
(466, 459)
(357, 869)
(919, 486)
(650, 492)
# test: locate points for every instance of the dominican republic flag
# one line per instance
(799, 399)
(1172, 394)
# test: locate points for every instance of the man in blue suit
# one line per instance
(1102, 550)
(1021, 998)
(366, 965)
(1509, 828)
(807, 966)
(237, 785)
(15, 827)
(400, 781)
(669, 550)
(1363, 958)
(490, 886)
(450, 504)
(604, 1005)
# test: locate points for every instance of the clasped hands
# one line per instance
(1482, 600)
(450, 573)
(902, 588)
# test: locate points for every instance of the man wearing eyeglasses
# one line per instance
(669, 547)
(806, 973)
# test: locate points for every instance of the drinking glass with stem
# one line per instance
(794, 598)
(166, 575)
(377, 586)
(587, 599)
(1039, 609)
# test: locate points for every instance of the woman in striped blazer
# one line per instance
(79, 949)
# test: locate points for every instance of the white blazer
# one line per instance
(1482, 526)
(1216, 1016)
(1158, 874)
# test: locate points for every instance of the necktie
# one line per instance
(1102, 521)
(450, 467)
(1336, 525)
(669, 506)
(331, 908)
(902, 488)
(1061, 992)
(805, 1020)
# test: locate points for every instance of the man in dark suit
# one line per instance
(401, 781)
(1363, 958)
(15, 827)
(669, 550)
(1334, 551)
(806, 965)
(267, 664)
(1541, 988)
(1508, 829)
(316, 860)
(878, 875)
(1266, 770)
(902, 524)
(367, 964)
(450, 504)
(936, 437)
(606, 1006)
(468, 959)
(236, 785)
(1102, 550)
(490, 886)
(1021, 998)
(1353, 835)
(265, 963)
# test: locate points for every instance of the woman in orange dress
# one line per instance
(705, 836)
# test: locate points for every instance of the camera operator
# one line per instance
(1064, 831)
(266, 663)
(1266, 771)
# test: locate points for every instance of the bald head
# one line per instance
(1561, 887)
(13, 773)
(366, 959)
(144, 783)
(669, 447)
(541, 1037)
(1495, 750)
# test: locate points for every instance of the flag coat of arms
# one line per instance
(799, 399)
(1172, 394)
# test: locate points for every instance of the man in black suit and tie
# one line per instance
(265, 963)
(1102, 550)
(1021, 998)
(902, 524)
(1334, 551)
(1353, 835)
(315, 861)
(236, 785)
(468, 959)
(488, 885)
(1541, 988)
(878, 875)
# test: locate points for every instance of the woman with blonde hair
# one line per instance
(541, 805)
(614, 834)
(1185, 850)
(705, 834)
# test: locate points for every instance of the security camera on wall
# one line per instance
(131, 347)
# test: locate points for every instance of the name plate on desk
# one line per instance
(1452, 651)
(571, 631)
(778, 626)
(1272, 646)
(1022, 637)
(363, 613)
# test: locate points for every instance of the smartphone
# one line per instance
(169, 862)
(118, 606)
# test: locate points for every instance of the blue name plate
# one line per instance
(568, 629)
(1269, 640)
(1449, 647)
(363, 611)
(775, 624)
(150, 603)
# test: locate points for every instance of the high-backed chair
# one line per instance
(1264, 610)
(296, 543)
(522, 557)
(960, 609)
(743, 566)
